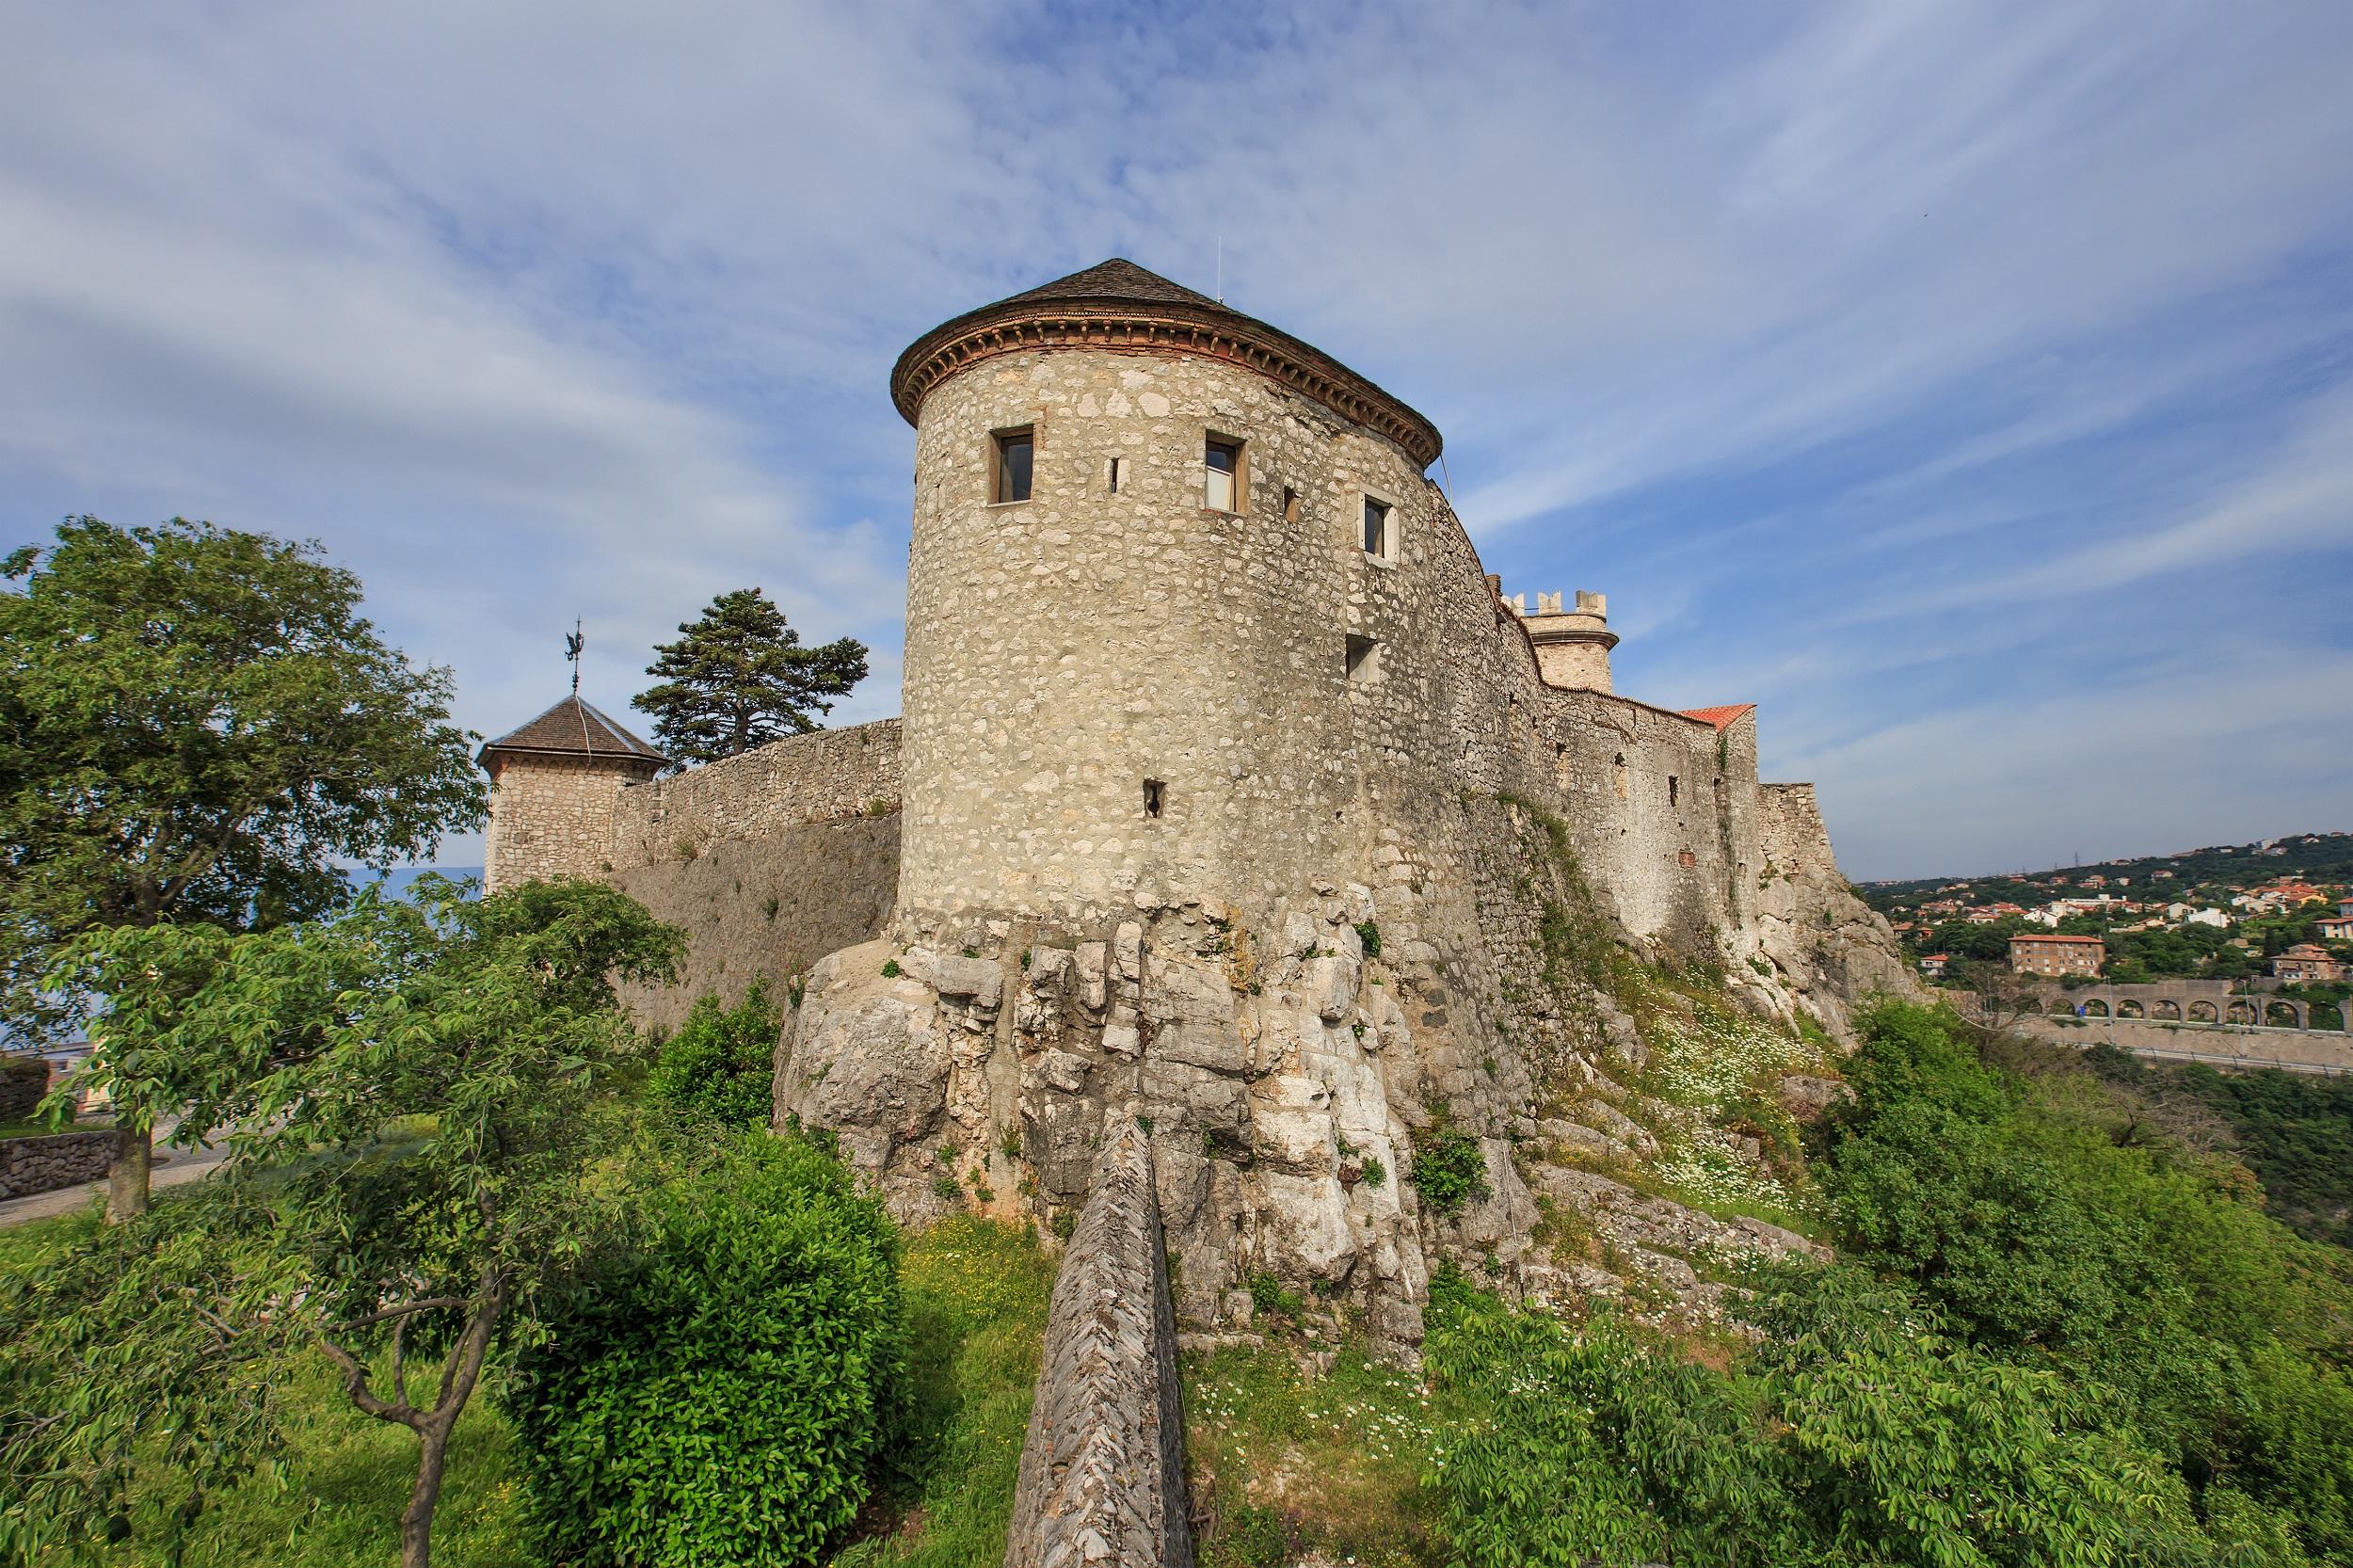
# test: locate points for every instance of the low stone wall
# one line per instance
(2217, 1045)
(1102, 1480)
(30, 1165)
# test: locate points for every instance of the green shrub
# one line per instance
(1375, 1171)
(715, 1392)
(1369, 933)
(1269, 1298)
(1449, 1171)
(721, 1063)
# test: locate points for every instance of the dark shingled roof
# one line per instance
(1117, 278)
(575, 728)
(1108, 293)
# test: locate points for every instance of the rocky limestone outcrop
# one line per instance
(1279, 1090)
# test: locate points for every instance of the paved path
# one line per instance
(172, 1167)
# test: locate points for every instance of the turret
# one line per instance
(1572, 646)
(1166, 561)
(552, 784)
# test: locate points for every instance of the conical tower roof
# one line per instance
(1118, 305)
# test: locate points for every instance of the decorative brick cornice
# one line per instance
(1157, 327)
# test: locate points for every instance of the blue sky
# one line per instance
(1970, 384)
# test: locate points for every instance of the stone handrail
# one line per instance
(1102, 1479)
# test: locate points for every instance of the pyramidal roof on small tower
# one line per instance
(574, 728)
(1120, 306)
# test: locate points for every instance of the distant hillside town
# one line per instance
(2281, 908)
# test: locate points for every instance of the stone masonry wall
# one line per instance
(550, 817)
(827, 776)
(2219, 1045)
(44, 1165)
(768, 906)
(768, 861)
(1102, 1477)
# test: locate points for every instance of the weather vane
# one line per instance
(571, 655)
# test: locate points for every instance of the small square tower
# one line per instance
(552, 784)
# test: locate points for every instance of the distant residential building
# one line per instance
(2345, 906)
(2306, 961)
(2336, 928)
(1932, 964)
(2056, 955)
(2164, 876)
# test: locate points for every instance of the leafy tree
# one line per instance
(196, 723)
(751, 1311)
(417, 1100)
(739, 677)
(721, 1063)
(2058, 1226)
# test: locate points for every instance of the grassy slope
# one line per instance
(976, 1299)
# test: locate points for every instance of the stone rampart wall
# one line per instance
(2217, 1045)
(1102, 1477)
(826, 775)
(765, 906)
(44, 1165)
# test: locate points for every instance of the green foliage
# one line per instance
(891, 969)
(1857, 1433)
(720, 1066)
(418, 1099)
(976, 1293)
(751, 1311)
(1375, 1170)
(2053, 1229)
(1449, 1169)
(739, 677)
(2293, 1132)
(1267, 1297)
(198, 725)
(1369, 932)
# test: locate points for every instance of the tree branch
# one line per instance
(356, 1385)
(428, 1305)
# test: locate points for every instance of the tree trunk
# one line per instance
(416, 1520)
(126, 1178)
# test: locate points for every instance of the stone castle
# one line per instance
(1232, 801)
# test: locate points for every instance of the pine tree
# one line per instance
(739, 677)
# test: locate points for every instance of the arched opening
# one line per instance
(2202, 1013)
(2283, 1014)
(2168, 1010)
(2095, 1008)
(2241, 1013)
(2130, 1009)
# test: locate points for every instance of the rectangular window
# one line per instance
(1364, 659)
(1378, 542)
(1290, 504)
(1222, 459)
(1118, 476)
(1010, 482)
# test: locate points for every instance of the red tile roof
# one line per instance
(2093, 941)
(1722, 718)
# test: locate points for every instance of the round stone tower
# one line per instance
(1572, 646)
(1165, 574)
